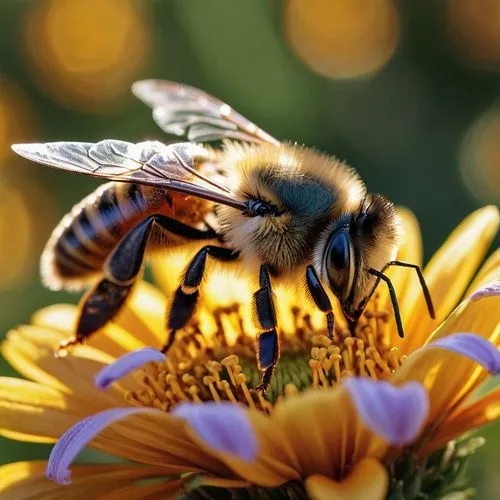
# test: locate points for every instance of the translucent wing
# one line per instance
(183, 110)
(151, 163)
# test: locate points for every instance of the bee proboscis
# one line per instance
(281, 211)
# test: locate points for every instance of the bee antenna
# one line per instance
(394, 299)
(423, 284)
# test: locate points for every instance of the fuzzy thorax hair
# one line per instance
(309, 189)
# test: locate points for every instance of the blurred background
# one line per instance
(408, 92)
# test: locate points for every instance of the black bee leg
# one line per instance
(268, 349)
(121, 270)
(321, 299)
(186, 295)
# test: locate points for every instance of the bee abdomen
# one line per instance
(80, 244)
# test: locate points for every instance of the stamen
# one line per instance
(314, 364)
(336, 358)
(346, 360)
(229, 362)
(193, 390)
(209, 381)
(217, 363)
(393, 357)
(322, 377)
(370, 366)
(242, 380)
(176, 388)
(349, 342)
(227, 389)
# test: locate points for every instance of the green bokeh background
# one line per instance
(401, 128)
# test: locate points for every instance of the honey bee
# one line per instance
(281, 210)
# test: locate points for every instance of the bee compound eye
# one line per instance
(338, 262)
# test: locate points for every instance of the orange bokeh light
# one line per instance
(86, 53)
(480, 157)
(27, 216)
(16, 227)
(16, 118)
(343, 38)
(474, 27)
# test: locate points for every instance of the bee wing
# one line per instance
(151, 163)
(183, 110)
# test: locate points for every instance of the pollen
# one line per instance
(222, 366)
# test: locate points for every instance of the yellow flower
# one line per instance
(318, 436)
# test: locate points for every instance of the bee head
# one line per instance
(351, 246)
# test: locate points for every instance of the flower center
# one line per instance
(366, 351)
(223, 366)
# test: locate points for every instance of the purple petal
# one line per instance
(223, 426)
(77, 437)
(489, 290)
(126, 364)
(471, 346)
(395, 413)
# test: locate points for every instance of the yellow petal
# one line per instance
(449, 377)
(35, 412)
(144, 315)
(275, 463)
(410, 250)
(450, 271)
(368, 480)
(166, 490)
(26, 481)
(30, 350)
(57, 317)
(112, 339)
(324, 431)
(140, 323)
(467, 418)
(158, 438)
(203, 480)
(446, 376)
(168, 267)
(490, 271)
(481, 316)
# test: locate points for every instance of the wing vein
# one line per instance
(183, 110)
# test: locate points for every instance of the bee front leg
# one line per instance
(320, 298)
(268, 348)
(121, 269)
(187, 293)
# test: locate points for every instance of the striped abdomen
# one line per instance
(80, 244)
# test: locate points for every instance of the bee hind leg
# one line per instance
(321, 299)
(99, 306)
(186, 295)
(121, 269)
(268, 348)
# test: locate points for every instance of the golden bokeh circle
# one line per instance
(342, 38)
(474, 28)
(17, 118)
(86, 53)
(16, 229)
(27, 216)
(480, 157)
